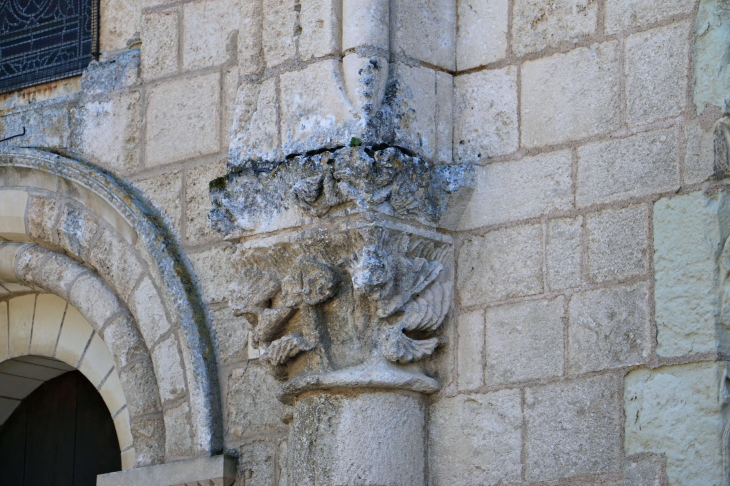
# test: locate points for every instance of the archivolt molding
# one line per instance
(46, 325)
(72, 207)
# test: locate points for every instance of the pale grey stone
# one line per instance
(182, 119)
(321, 29)
(178, 440)
(573, 428)
(444, 118)
(123, 332)
(214, 269)
(470, 357)
(628, 14)
(279, 20)
(254, 130)
(95, 300)
(140, 388)
(476, 439)
(41, 214)
(169, 370)
(250, 37)
(116, 262)
(256, 463)
(636, 166)
(332, 439)
(500, 265)
(230, 335)
(609, 328)
(164, 191)
(149, 311)
(690, 232)
(209, 27)
(76, 230)
(485, 114)
(570, 96)
(482, 32)
(198, 203)
(200, 470)
(618, 243)
(251, 405)
(525, 341)
(712, 30)
(657, 64)
(699, 158)
(680, 411)
(115, 29)
(159, 38)
(426, 30)
(543, 183)
(564, 252)
(149, 441)
(537, 24)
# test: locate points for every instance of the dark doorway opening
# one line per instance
(60, 435)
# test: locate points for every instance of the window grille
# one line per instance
(45, 40)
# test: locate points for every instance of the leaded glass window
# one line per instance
(45, 40)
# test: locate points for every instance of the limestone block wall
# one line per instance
(581, 117)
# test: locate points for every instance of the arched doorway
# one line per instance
(61, 434)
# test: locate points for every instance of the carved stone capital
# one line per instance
(355, 295)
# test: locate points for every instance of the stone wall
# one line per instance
(580, 116)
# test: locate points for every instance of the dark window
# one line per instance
(45, 40)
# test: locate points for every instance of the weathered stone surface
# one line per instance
(470, 357)
(254, 130)
(250, 37)
(570, 96)
(149, 440)
(95, 300)
(485, 114)
(315, 112)
(209, 30)
(182, 119)
(140, 385)
(251, 403)
(123, 332)
(537, 24)
(573, 428)
(627, 14)
(40, 215)
(230, 335)
(690, 232)
(631, 167)
(76, 231)
(680, 411)
(332, 439)
(197, 201)
(109, 131)
(618, 243)
(476, 439)
(563, 252)
(699, 158)
(609, 328)
(482, 32)
(657, 64)
(115, 28)
(168, 369)
(149, 312)
(279, 41)
(260, 197)
(178, 442)
(116, 262)
(426, 30)
(321, 24)
(543, 182)
(165, 193)
(525, 341)
(159, 47)
(256, 464)
(58, 274)
(444, 118)
(712, 30)
(215, 271)
(500, 265)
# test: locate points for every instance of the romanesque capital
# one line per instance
(350, 287)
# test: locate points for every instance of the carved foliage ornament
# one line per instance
(387, 284)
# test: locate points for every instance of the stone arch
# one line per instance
(94, 235)
(45, 325)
